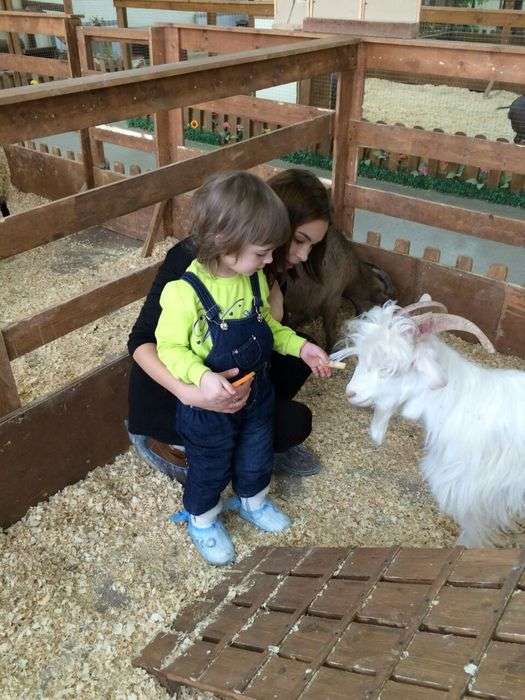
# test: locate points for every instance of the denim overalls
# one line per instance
(236, 447)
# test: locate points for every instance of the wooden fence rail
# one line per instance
(474, 223)
(45, 110)
(53, 24)
(489, 155)
(465, 16)
(49, 222)
(446, 59)
(30, 333)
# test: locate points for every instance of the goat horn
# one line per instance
(427, 305)
(438, 323)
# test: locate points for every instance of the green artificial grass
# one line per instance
(449, 185)
(472, 189)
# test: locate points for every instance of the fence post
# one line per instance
(122, 21)
(13, 45)
(9, 399)
(349, 106)
(165, 47)
(85, 51)
(70, 30)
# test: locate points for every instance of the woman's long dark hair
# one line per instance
(306, 199)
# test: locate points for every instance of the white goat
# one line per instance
(474, 417)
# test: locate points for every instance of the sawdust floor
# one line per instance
(90, 577)
(54, 273)
(87, 579)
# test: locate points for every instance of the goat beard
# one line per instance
(379, 423)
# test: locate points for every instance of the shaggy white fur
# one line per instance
(474, 418)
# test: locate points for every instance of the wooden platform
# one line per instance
(329, 623)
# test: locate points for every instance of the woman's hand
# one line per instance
(316, 358)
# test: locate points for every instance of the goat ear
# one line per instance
(427, 364)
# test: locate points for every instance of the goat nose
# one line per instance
(350, 394)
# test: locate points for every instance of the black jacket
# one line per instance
(151, 407)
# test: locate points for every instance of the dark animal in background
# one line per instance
(517, 119)
(5, 181)
(343, 275)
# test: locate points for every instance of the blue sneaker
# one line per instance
(213, 543)
(268, 517)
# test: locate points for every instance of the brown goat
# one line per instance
(343, 274)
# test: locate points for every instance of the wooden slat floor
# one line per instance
(334, 623)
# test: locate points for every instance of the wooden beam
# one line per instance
(346, 171)
(124, 137)
(207, 38)
(53, 108)
(446, 59)
(165, 47)
(343, 108)
(283, 113)
(34, 64)
(484, 18)
(51, 24)
(55, 220)
(256, 8)
(85, 52)
(128, 35)
(122, 21)
(9, 399)
(56, 441)
(446, 147)
(151, 236)
(24, 336)
(222, 40)
(75, 67)
(14, 45)
(474, 223)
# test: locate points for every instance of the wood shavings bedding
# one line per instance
(53, 273)
(88, 579)
(439, 106)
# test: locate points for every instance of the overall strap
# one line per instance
(211, 310)
(256, 291)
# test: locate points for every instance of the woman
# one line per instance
(154, 392)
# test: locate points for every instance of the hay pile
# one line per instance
(90, 577)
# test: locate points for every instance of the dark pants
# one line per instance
(223, 447)
(292, 419)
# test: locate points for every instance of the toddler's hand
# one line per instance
(316, 358)
(215, 386)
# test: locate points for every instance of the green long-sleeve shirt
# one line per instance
(183, 340)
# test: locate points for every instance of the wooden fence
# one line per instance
(510, 167)
(83, 422)
(26, 68)
(464, 16)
